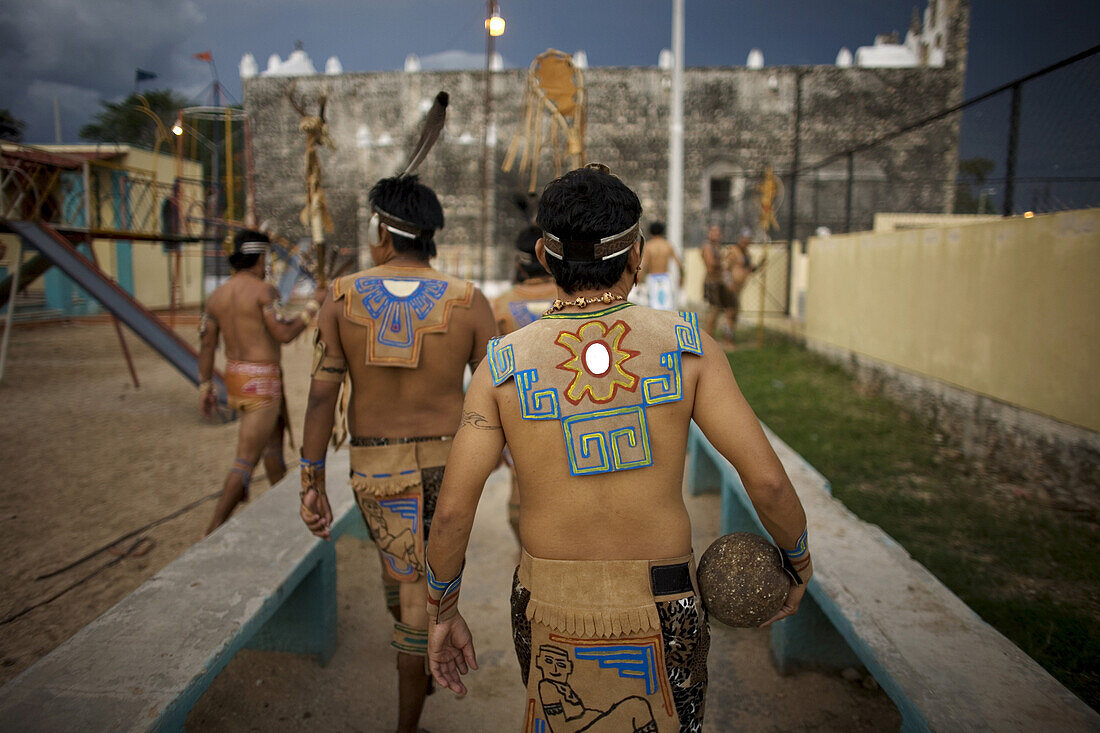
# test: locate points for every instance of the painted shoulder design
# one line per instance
(598, 375)
(399, 307)
(521, 307)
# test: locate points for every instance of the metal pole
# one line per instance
(114, 319)
(88, 196)
(676, 133)
(1013, 144)
(11, 305)
(487, 113)
(848, 193)
(796, 155)
(56, 120)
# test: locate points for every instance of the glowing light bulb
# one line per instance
(177, 130)
(495, 25)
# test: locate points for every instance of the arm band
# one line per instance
(327, 368)
(206, 387)
(313, 477)
(442, 596)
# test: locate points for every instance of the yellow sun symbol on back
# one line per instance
(597, 361)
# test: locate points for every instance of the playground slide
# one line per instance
(62, 254)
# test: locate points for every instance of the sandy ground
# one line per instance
(85, 460)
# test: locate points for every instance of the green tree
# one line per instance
(11, 127)
(123, 122)
(972, 172)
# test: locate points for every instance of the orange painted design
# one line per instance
(599, 388)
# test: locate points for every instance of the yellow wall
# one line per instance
(150, 262)
(1009, 309)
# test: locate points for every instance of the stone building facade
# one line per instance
(737, 121)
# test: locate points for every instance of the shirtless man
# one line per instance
(717, 286)
(655, 265)
(594, 400)
(533, 292)
(406, 332)
(740, 267)
(247, 313)
(523, 304)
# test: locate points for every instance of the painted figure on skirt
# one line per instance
(594, 401)
(405, 333)
(246, 312)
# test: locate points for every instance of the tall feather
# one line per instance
(433, 126)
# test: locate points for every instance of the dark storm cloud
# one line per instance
(80, 52)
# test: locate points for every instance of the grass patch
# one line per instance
(1027, 568)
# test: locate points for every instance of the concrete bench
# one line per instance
(870, 603)
(262, 581)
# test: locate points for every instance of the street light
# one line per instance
(494, 23)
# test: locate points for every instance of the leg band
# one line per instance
(393, 593)
(244, 468)
(409, 640)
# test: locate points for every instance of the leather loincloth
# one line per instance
(396, 483)
(617, 645)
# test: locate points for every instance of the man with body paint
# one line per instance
(594, 401)
(405, 333)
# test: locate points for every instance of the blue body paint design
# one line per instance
(536, 405)
(521, 311)
(637, 662)
(396, 313)
(502, 362)
(606, 435)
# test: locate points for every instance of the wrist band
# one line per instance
(797, 560)
(443, 596)
(206, 386)
(313, 477)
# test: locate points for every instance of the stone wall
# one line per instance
(737, 121)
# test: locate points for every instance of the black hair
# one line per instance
(586, 205)
(657, 229)
(407, 198)
(527, 265)
(243, 260)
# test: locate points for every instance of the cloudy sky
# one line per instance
(82, 51)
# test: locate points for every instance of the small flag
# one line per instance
(143, 75)
(204, 56)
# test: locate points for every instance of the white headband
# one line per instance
(254, 247)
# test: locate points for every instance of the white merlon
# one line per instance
(844, 58)
(297, 63)
(756, 59)
(248, 67)
(580, 59)
(665, 59)
(412, 63)
(496, 63)
(333, 66)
